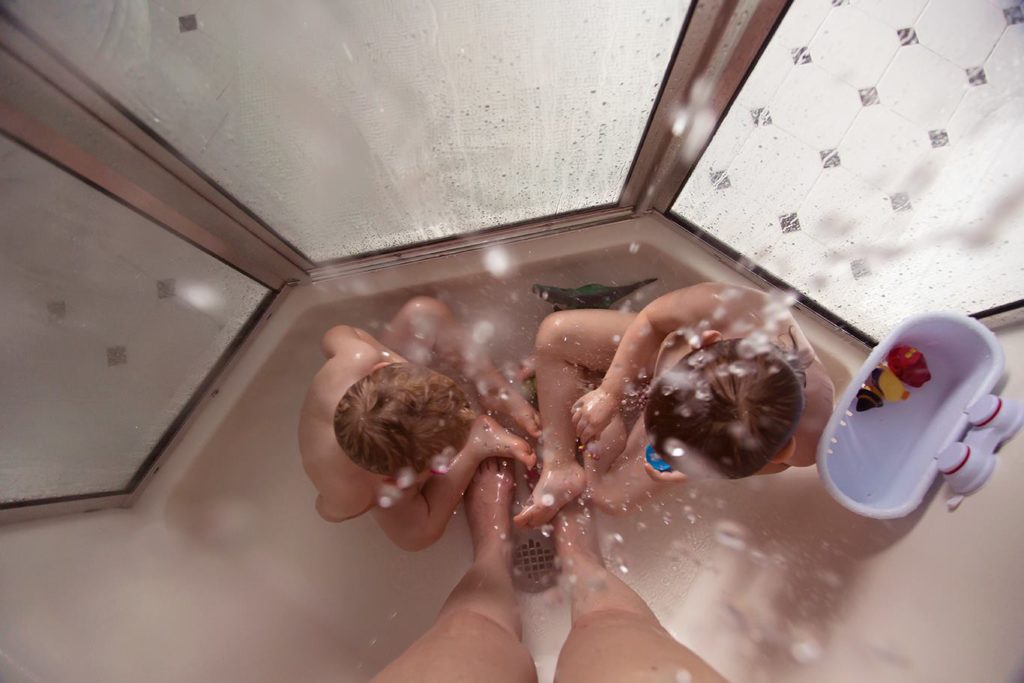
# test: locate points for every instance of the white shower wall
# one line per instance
(872, 158)
(357, 126)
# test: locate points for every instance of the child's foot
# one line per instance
(487, 500)
(555, 488)
(488, 439)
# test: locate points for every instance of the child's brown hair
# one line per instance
(735, 403)
(401, 415)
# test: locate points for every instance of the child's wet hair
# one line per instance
(402, 415)
(735, 404)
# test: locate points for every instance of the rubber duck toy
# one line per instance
(904, 365)
(587, 296)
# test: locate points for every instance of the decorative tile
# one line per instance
(800, 55)
(57, 309)
(907, 36)
(939, 137)
(761, 116)
(839, 3)
(165, 288)
(815, 107)
(859, 268)
(900, 201)
(868, 96)
(789, 222)
(854, 47)
(962, 32)
(922, 86)
(829, 158)
(1014, 15)
(720, 180)
(976, 76)
(116, 355)
(187, 23)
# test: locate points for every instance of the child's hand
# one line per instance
(593, 413)
(510, 402)
(669, 477)
(488, 439)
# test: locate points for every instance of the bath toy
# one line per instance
(909, 365)
(903, 365)
(655, 461)
(587, 296)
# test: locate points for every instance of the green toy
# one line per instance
(587, 296)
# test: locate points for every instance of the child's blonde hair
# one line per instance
(733, 403)
(402, 415)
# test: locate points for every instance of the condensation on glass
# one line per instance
(113, 323)
(872, 158)
(359, 126)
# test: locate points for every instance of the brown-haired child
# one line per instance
(719, 379)
(381, 431)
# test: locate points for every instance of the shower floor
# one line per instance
(223, 571)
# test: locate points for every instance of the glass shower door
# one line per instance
(111, 326)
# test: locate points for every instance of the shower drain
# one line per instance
(533, 562)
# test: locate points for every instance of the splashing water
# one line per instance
(634, 247)
(388, 495)
(406, 477)
(731, 535)
(442, 462)
(497, 261)
(547, 500)
(805, 650)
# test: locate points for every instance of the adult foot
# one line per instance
(488, 439)
(555, 488)
(487, 500)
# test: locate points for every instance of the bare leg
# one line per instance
(615, 636)
(566, 342)
(476, 635)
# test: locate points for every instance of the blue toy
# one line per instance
(655, 460)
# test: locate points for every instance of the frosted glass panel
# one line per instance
(357, 126)
(872, 159)
(111, 323)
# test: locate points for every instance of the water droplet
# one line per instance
(546, 530)
(547, 500)
(731, 535)
(634, 247)
(406, 477)
(683, 676)
(388, 495)
(805, 650)
(497, 261)
(953, 502)
(483, 330)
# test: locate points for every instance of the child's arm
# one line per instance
(638, 352)
(425, 330)
(416, 521)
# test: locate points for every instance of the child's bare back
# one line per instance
(380, 433)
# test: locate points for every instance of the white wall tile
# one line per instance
(774, 170)
(814, 106)
(1004, 68)
(801, 22)
(883, 148)
(963, 32)
(771, 70)
(896, 13)
(922, 86)
(842, 208)
(854, 47)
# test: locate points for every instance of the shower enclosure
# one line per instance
(174, 170)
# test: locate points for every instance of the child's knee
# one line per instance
(553, 330)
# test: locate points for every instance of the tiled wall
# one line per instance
(872, 159)
(110, 324)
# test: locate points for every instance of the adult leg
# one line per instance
(615, 636)
(567, 342)
(476, 635)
